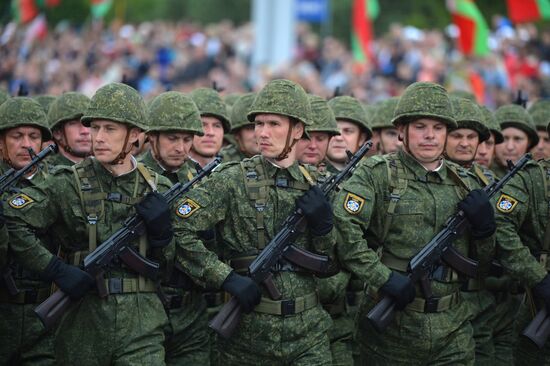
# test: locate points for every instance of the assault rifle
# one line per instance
(439, 250)
(118, 245)
(538, 330)
(226, 321)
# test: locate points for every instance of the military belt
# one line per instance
(337, 308)
(434, 304)
(214, 299)
(129, 285)
(240, 265)
(289, 306)
(25, 296)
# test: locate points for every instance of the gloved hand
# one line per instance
(317, 210)
(244, 289)
(542, 291)
(155, 211)
(400, 288)
(479, 211)
(71, 280)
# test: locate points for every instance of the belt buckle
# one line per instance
(115, 285)
(288, 307)
(430, 305)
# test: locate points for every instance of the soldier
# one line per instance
(71, 136)
(248, 202)
(387, 211)
(214, 123)
(243, 131)
(385, 138)
(520, 136)
(540, 112)
(486, 150)
(354, 131)
(83, 205)
(23, 339)
(174, 120)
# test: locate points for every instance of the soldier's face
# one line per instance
(173, 148)
(425, 139)
(209, 144)
(108, 139)
(76, 136)
(246, 137)
(542, 150)
(389, 140)
(515, 145)
(485, 152)
(351, 138)
(272, 131)
(314, 150)
(16, 142)
(462, 145)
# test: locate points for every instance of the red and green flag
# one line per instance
(473, 30)
(521, 11)
(24, 10)
(363, 14)
(100, 8)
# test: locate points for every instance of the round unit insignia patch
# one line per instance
(353, 205)
(506, 203)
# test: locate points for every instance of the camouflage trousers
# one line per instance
(504, 325)
(341, 339)
(482, 305)
(23, 340)
(187, 338)
(414, 338)
(125, 329)
(526, 353)
(263, 339)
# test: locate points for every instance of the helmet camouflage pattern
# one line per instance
(119, 103)
(384, 113)
(468, 115)
(239, 110)
(540, 113)
(463, 94)
(45, 101)
(67, 107)
(350, 109)
(3, 96)
(513, 115)
(23, 111)
(174, 111)
(492, 124)
(323, 119)
(210, 103)
(424, 100)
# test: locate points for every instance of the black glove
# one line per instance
(155, 211)
(71, 280)
(400, 288)
(542, 291)
(244, 289)
(317, 210)
(479, 211)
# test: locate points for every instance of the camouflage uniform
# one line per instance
(67, 107)
(127, 326)
(349, 109)
(187, 338)
(382, 117)
(229, 100)
(239, 110)
(45, 101)
(229, 200)
(23, 339)
(396, 231)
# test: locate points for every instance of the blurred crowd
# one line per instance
(158, 56)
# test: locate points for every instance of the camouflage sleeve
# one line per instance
(512, 209)
(201, 209)
(353, 210)
(333, 288)
(33, 209)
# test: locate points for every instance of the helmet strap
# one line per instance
(125, 149)
(155, 149)
(288, 144)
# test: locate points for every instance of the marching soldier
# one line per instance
(385, 137)
(540, 112)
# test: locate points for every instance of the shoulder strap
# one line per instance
(481, 175)
(397, 184)
(458, 177)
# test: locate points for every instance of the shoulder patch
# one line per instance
(506, 203)
(353, 203)
(20, 201)
(187, 208)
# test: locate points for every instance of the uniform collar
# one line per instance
(272, 170)
(419, 170)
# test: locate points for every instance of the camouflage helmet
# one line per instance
(174, 111)
(45, 101)
(513, 115)
(350, 109)
(119, 103)
(424, 100)
(468, 115)
(323, 119)
(239, 111)
(540, 113)
(3, 96)
(282, 97)
(384, 113)
(23, 111)
(230, 99)
(211, 104)
(463, 94)
(67, 107)
(492, 124)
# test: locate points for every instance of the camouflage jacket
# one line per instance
(362, 209)
(59, 159)
(184, 174)
(231, 153)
